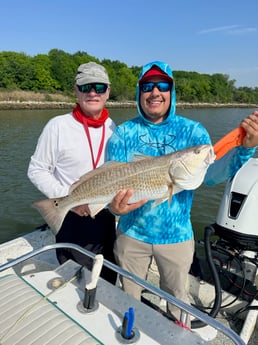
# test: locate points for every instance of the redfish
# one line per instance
(151, 178)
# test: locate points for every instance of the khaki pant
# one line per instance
(173, 262)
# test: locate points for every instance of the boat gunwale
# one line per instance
(185, 308)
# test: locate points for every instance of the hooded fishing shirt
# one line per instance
(164, 224)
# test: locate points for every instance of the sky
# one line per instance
(203, 36)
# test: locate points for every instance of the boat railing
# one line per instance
(185, 308)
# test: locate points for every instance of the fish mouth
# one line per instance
(210, 158)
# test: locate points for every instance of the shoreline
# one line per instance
(16, 105)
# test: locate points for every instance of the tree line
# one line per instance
(55, 72)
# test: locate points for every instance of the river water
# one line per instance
(19, 131)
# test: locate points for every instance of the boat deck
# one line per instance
(30, 259)
(33, 312)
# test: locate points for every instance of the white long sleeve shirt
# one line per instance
(63, 154)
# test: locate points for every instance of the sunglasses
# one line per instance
(97, 87)
(163, 86)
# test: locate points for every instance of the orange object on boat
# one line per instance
(229, 141)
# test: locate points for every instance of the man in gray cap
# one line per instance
(69, 146)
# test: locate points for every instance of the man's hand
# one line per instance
(250, 125)
(119, 204)
(81, 210)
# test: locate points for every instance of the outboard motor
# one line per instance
(237, 219)
(233, 258)
(236, 252)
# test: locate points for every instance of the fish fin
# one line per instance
(159, 201)
(140, 157)
(53, 215)
(170, 191)
(110, 164)
(74, 185)
(95, 209)
(168, 197)
(177, 189)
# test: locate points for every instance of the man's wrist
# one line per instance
(114, 213)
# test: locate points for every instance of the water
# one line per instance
(19, 131)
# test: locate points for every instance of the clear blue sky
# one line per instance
(219, 36)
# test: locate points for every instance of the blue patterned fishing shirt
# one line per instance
(166, 224)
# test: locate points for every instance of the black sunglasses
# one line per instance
(163, 86)
(97, 87)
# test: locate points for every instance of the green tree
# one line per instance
(56, 71)
(220, 88)
(246, 95)
(6, 80)
(16, 71)
(63, 69)
(82, 57)
(43, 79)
(122, 79)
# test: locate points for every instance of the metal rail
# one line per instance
(185, 308)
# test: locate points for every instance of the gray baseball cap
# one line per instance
(91, 72)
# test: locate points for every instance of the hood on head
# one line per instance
(151, 69)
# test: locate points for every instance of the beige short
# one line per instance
(173, 262)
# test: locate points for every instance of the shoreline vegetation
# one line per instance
(37, 105)
(47, 81)
(15, 100)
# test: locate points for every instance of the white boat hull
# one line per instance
(105, 321)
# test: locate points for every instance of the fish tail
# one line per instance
(52, 214)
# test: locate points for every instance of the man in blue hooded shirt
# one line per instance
(165, 231)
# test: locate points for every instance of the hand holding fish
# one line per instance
(81, 210)
(250, 125)
(119, 204)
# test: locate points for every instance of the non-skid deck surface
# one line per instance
(26, 318)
